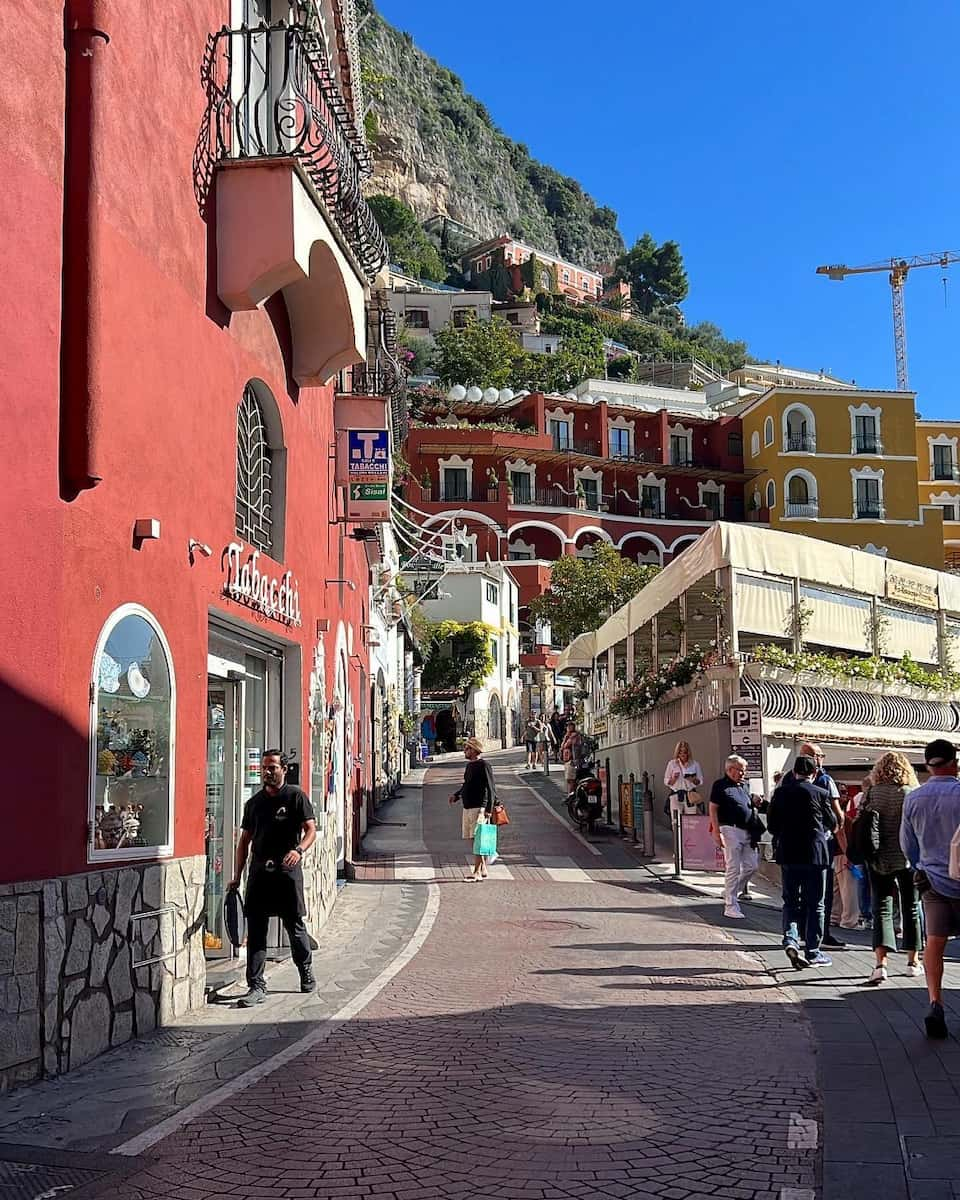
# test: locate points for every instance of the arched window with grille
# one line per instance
(261, 462)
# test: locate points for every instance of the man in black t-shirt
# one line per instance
(278, 823)
(737, 828)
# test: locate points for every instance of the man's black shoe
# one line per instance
(936, 1022)
(307, 981)
(250, 999)
(833, 943)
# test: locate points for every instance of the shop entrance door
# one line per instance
(225, 705)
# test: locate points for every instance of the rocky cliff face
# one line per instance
(436, 149)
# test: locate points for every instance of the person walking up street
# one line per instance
(279, 825)
(823, 780)
(931, 817)
(736, 827)
(558, 725)
(801, 818)
(571, 754)
(890, 874)
(544, 742)
(530, 742)
(478, 795)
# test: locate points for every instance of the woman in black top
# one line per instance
(477, 794)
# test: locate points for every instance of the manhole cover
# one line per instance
(38, 1181)
(168, 1037)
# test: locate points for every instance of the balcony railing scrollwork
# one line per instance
(271, 94)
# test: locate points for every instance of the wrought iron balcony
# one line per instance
(381, 373)
(802, 508)
(867, 445)
(800, 443)
(946, 471)
(271, 95)
(869, 512)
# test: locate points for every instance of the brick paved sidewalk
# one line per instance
(566, 1031)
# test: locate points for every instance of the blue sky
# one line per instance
(764, 138)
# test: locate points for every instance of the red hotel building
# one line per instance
(534, 477)
(188, 260)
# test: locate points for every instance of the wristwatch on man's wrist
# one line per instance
(298, 850)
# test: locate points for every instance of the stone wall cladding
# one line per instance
(69, 984)
(320, 873)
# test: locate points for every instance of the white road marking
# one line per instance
(497, 870)
(563, 870)
(802, 1133)
(556, 816)
(150, 1137)
(415, 868)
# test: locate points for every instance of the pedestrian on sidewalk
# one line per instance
(530, 742)
(822, 779)
(478, 795)
(571, 754)
(682, 776)
(558, 725)
(890, 874)
(544, 741)
(846, 888)
(736, 826)
(931, 816)
(279, 825)
(801, 819)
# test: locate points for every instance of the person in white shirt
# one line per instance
(683, 775)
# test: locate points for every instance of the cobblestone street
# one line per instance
(572, 1027)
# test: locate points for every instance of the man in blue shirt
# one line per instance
(931, 816)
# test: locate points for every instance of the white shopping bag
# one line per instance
(954, 869)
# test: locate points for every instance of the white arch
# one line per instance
(592, 529)
(683, 540)
(651, 537)
(462, 514)
(809, 479)
(515, 529)
(796, 406)
(768, 431)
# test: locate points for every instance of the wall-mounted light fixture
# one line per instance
(343, 582)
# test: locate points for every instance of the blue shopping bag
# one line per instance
(485, 839)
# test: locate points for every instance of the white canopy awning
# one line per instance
(580, 653)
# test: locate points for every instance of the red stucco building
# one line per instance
(188, 266)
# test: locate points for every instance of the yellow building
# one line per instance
(840, 463)
(939, 479)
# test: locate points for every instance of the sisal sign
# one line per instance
(363, 462)
(277, 598)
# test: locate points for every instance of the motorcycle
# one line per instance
(585, 802)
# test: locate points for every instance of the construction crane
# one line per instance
(898, 269)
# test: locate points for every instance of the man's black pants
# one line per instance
(258, 922)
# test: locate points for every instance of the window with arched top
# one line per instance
(261, 474)
(768, 431)
(798, 492)
(771, 493)
(755, 443)
(132, 719)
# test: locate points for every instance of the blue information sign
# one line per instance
(368, 455)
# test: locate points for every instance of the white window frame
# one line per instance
(865, 410)
(716, 489)
(140, 853)
(808, 413)
(519, 546)
(941, 499)
(768, 431)
(754, 443)
(942, 439)
(770, 495)
(595, 476)
(652, 481)
(622, 425)
(557, 414)
(813, 494)
(520, 466)
(455, 462)
(857, 473)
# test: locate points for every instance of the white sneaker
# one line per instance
(735, 914)
(914, 970)
(878, 976)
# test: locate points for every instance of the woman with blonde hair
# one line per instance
(892, 778)
(683, 775)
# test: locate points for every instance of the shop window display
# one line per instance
(133, 724)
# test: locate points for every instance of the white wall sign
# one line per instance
(275, 598)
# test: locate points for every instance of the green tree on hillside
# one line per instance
(655, 274)
(410, 248)
(583, 592)
(482, 354)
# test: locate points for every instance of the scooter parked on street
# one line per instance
(585, 802)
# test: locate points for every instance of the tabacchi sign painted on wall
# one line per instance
(275, 598)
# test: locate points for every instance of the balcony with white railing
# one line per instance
(810, 509)
(286, 160)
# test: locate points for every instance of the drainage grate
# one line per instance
(38, 1181)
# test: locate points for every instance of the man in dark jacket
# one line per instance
(801, 819)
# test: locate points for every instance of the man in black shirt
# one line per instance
(801, 820)
(279, 824)
(738, 829)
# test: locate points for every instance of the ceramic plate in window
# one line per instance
(139, 684)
